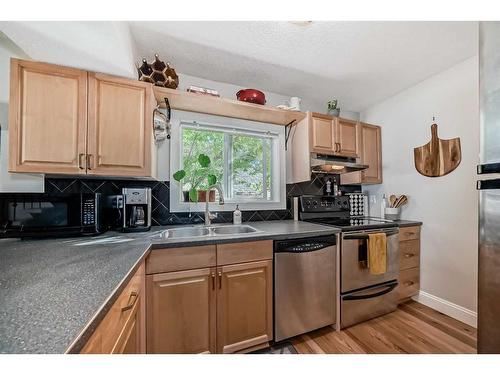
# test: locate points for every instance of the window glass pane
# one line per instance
(249, 167)
(196, 142)
(241, 162)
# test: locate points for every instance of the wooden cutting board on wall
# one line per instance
(438, 157)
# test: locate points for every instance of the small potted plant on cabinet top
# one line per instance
(333, 109)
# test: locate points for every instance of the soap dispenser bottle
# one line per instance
(383, 206)
(237, 216)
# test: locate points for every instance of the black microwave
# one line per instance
(50, 215)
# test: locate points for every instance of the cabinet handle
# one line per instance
(80, 161)
(409, 283)
(89, 158)
(131, 301)
(409, 255)
(213, 281)
(220, 279)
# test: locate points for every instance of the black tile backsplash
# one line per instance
(161, 214)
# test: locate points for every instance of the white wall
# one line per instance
(10, 182)
(105, 47)
(227, 90)
(447, 205)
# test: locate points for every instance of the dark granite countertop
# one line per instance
(408, 223)
(53, 292)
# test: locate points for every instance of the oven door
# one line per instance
(354, 271)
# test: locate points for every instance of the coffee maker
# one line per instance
(136, 209)
(130, 211)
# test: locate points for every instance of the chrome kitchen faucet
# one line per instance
(208, 215)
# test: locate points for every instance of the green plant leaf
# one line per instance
(193, 195)
(204, 160)
(179, 175)
(212, 179)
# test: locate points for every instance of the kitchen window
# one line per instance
(246, 157)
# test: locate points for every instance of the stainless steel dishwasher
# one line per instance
(304, 285)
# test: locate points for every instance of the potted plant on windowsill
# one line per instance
(200, 177)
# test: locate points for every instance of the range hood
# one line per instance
(334, 164)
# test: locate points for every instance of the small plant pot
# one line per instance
(393, 213)
(185, 196)
(334, 112)
(202, 195)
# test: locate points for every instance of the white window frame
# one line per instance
(278, 194)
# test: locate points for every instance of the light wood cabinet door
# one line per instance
(181, 310)
(370, 145)
(322, 135)
(371, 154)
(244, 306)
(129, 341)
(47, 118)
(120, 127)
(123, 329)
(346, 137)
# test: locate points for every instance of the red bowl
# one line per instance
(251, 96)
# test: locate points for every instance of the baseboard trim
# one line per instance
(449, 308)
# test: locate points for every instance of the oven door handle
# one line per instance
(365, 236)
(373, 295)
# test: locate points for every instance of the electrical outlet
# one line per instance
(373, 199)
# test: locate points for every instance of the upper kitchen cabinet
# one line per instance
(370, 144)
(120, 126)
(69, 121)
(47, 118)
(322, 135)
(346, 137)
(333, 135)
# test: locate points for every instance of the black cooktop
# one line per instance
(335, 211)
(354, 223)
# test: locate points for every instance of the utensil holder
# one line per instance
(393, 213)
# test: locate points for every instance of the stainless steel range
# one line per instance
(362, 295)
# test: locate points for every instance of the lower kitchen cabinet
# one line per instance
(244, 306)
(122, 330)
(224, 307)
(181, 312)
(409, 262)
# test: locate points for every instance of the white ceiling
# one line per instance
(360, 63)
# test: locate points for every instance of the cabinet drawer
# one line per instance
(409, 254)
(409, 233)
(179, 259)
(107, 336)
(242, 252)
(409, 283)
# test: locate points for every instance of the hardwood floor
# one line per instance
(412, 329)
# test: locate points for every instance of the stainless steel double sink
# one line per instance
(208, 231)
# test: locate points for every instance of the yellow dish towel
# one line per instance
(377, 253)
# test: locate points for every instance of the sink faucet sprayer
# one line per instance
(208, 215)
